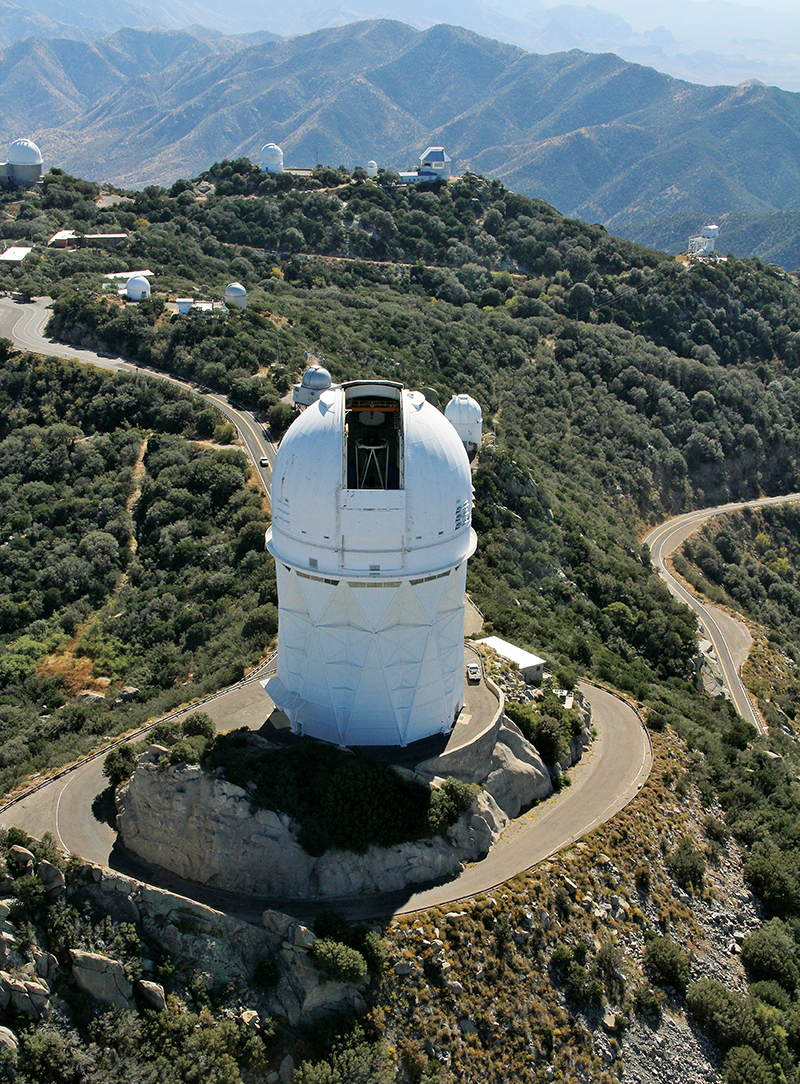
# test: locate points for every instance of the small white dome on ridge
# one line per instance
(235, 294)
(137, 288)
(24, 152)
(271, 158)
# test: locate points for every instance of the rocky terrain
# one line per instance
(221, 949)
(227, 843)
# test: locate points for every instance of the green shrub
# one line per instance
(770, 953)
(30, 893)
(339, 962)
(188, 751)
(198, 725)
(716, 829)
(119, 765)
(743, 1065)
(725, 1016)
(771, 993)
(666, 963)
(687, 864)
(646, 1000)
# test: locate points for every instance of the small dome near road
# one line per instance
(24, 152)
(466, 417)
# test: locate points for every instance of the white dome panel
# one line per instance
(24, 152)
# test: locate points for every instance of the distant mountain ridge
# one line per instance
(599, 138)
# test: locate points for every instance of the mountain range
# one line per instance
(705, 41)
(648, 156)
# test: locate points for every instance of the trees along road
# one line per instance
(609, 776)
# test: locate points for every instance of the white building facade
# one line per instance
(371, 532)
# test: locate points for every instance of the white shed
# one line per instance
(531, 667)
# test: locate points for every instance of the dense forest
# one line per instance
(131, 556)
(618, 385)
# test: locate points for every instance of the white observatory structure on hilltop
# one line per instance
(465, 415)
(703, 244)
(24, 165)
(271, 158)
(371, 532)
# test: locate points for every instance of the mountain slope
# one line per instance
(598, 137)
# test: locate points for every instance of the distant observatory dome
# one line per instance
(236, 295)
(24, 152)
(316, 380)
(271, 158)
(371, 532)
(372, 169)
(137, 288)
(464, 414)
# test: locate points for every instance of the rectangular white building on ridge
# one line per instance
(531, 667)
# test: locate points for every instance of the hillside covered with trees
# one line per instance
(618, 385)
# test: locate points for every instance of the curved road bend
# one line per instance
(610, 774)
(730, 637)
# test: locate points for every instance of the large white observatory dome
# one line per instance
(371, 532)
(464, 414)
(24, 152)
(236, 295)
(271, 158)
(372, 168)
(137, 288)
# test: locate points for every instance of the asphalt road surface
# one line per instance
(76, 807)
(730, 637)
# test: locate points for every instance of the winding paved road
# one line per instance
(730, 637)
(74, 807)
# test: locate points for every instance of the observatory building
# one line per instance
(464, 414)
(236, 295)
(271, 158)
(316, 380)
(436, 161)
(703, 244)
(24, 165)
(371, 532)
(137, 288)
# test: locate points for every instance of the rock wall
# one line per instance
(219, 948)
(224, 844)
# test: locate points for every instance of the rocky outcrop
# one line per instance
(102, 978)
(517, 775)
(226, 845)
(8, 1040)
(151, 994)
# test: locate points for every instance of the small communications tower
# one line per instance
(371, 532)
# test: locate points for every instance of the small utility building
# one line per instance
(531, 667)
